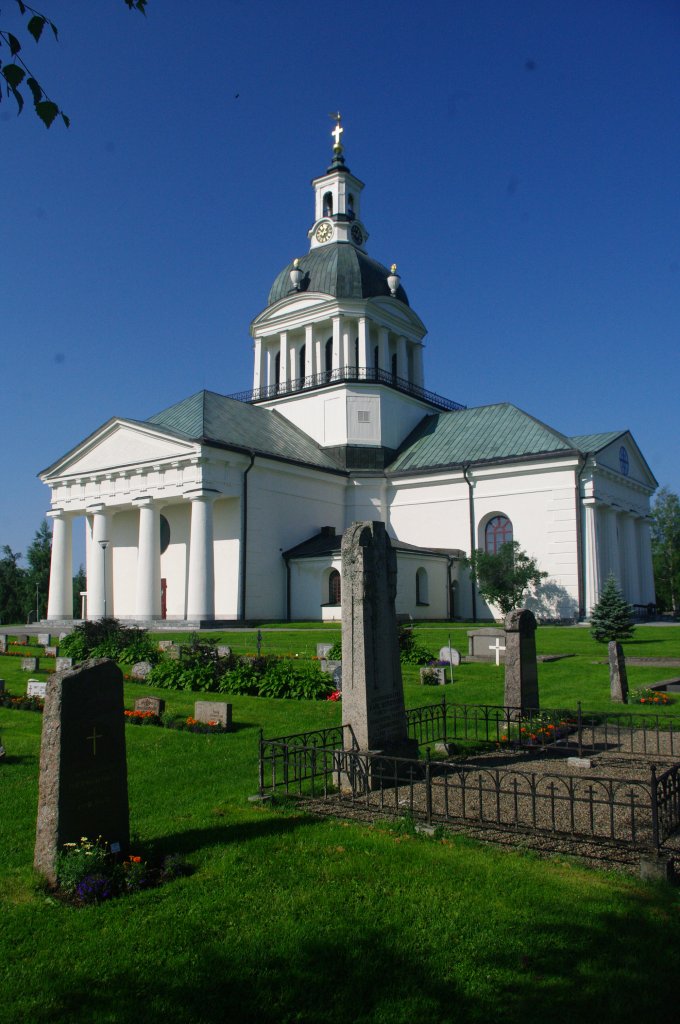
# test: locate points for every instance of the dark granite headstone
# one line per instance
(372, 689)
(83, 769)
(213, 711)
(521, 672)
(156, 705)
(618, 677)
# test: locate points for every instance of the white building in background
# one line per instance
(232, 508)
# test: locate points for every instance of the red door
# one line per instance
(164, 599)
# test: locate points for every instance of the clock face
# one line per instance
(357, 236)
(324, 232)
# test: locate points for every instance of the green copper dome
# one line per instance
(337, 269)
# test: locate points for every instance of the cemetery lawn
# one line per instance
(286, 918)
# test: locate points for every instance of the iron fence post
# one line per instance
(580, 728)
(261, 763)
(444, 720)
(655, 810)
(428, 787)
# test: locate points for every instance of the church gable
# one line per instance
(118, 444)
(619, 453)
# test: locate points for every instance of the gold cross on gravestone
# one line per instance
(94, 737)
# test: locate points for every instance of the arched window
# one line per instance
(334, 587)
(421, 587)
(350, 204)
(328, 204)
(301, 361)
(498, 531)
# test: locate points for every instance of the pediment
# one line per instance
(632, 466)
(120, 445)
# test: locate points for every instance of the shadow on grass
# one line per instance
(196, 839)
(348, 970)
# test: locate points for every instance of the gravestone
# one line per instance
(156, 705)
(2, 685)
(21, 638)
(63, 664)
(223, 651)
(213, 711)
(62, 636)
(433, 675)
(521, 671)
(485, 642)
(618, 677)
(372, 689)
(140, 670)
(36, 688)
(83, 770)
(30, 664)
(44, 639)
(322, 651)
(332, 668)
(165, 645)
(4, 642)
(450, 655)
(51, 651)
(174, 651)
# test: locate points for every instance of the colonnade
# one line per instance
(302, 353)
(619, 542)
(100, 548)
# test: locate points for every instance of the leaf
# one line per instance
(54, 30)
(21, 6)
(36, 25)
(66, 120)
(14, 44)
(46, 111)
(35, 89)
(14, 75)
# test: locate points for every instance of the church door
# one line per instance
(164, 598)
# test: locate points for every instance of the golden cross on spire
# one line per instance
(337, 132)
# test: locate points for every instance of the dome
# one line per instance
(337, 269)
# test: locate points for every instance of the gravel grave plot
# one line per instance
(528, 800)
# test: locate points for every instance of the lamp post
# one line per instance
(103, 544)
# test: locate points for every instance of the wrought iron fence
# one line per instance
(642, 813)
(344, 374)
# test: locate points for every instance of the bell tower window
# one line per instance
(350, 205)
(328, 204)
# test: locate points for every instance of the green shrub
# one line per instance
(107, 638)
(410, 651)
(335, 653)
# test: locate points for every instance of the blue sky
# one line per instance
(522, 168)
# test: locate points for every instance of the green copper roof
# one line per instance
(213, 419)
(596, 442)
(482, 434)
(339, 270)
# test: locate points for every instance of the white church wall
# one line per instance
(434, 583)
(227, 529)
(286, 505)
(174, 560)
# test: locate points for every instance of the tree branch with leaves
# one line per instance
(17, 75)
(504, 578)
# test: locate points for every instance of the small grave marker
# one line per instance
(213, 711)
(156, 705)
(164, 645)
(140, 670)
(618, 677)
(223, 650)
(21, 638)
(30, 664)
(450, 655)
(51, 651)
(63, 664)
(481, 641)
(4, 642)
(2, 685)
(322, 651)
(36, 688)
(44, 639)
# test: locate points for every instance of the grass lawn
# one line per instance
(289, 919)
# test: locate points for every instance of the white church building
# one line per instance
(232, 508)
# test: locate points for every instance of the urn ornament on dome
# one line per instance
(393, 279)
(296, 275)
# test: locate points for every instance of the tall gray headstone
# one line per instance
(618, 677)
(521, 671)
(83, 770)
(372, 689)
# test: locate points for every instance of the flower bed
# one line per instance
(87, 872)
(142, 718)
(645, 695)
(21, 703)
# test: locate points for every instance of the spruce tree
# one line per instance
(611, 618)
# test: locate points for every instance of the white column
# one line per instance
(591, 560)
(629, 555)
(647, 587)
(613, 545)
(402, 358)
(418, 375)
(346, 348)
(258, 369)
(100, 566)
(269, 362)
(60, 600)
(309, 350)
(337, 342)
(148, 599)
(201, 589)
(283, 362)
(384, 350)
(365, 360)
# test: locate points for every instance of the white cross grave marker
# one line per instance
(497, 648)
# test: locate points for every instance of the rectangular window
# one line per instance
(363, 416)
